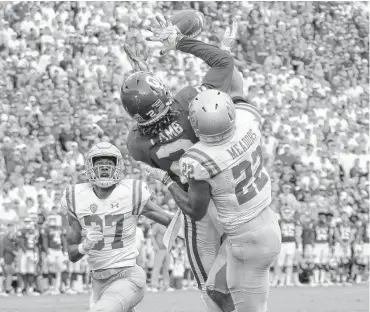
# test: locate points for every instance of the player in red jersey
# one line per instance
(321, 249)
(344, 237)
(291, 244)
(55, 245)
(29, 237)
(162, 135)
(362, 246)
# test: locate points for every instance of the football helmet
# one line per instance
(145, 97)
(212, 116)
(104, 175)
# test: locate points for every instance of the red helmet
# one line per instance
(145, 97)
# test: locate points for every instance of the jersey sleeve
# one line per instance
(192, 167)
(242, 104)
(141, 194)
(221, 62)
(136, 148)
(68, 202)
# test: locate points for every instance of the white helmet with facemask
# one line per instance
(104, 175)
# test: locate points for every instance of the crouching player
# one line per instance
(344, 237)
(29, 256)
(321, 249)
(291, 246)
(107, 208)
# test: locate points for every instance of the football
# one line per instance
(189, 22)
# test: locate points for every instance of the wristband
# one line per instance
(81, 249)
(169, 183)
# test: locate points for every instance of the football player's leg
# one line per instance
(249, 257)
(124, 293)
(219, 297)
(279, 267)
(203, 242)
(317, 262)
(159, 259)
(289, 263)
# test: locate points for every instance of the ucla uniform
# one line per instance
(118, 283)
(241, 192)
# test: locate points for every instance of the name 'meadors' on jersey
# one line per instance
(116, 217)
(240, 185)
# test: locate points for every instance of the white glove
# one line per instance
(228, 37)
(167, 34)
(156, 174)
(136, 63)
(92, 237)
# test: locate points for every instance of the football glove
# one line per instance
(228, 37)
(92, 237)
(136, 63)
(167, 34)
(158, 174)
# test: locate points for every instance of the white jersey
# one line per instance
(116, 216)
(240, 185)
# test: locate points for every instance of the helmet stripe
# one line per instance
(208, 162)
(251, 109)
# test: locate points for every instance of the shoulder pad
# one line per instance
(250, 108)
(192, 167)
(198, 164)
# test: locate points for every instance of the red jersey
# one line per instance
(288, 230)
(30, 238)
(345, 230)
(166, 148)
(308, 234)
(54, 237)
(322, 232)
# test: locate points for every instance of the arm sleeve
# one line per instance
(221, 62)
(141, 194)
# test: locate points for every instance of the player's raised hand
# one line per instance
(228, 37)
(156, 174)
(133, 57)
(167, 34)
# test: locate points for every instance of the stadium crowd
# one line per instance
(304, 64)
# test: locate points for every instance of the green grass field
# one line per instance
(332, 299)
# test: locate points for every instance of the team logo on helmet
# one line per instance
(93, 208)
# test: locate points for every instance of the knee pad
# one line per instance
(318, 266)
(295, 268)
(223, 300)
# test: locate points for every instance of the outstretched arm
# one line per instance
(155, 213)
(221, 62)
(74, 239)
(195, 202)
